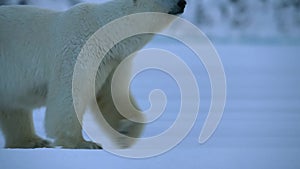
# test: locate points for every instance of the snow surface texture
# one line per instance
(260, 128)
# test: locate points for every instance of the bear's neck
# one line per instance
(104, 12)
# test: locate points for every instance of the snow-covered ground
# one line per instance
(260, 128)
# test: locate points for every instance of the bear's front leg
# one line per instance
(127, 129)
(62, 123)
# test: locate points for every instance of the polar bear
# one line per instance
(38, 48)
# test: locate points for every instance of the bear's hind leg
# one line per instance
(17, 127)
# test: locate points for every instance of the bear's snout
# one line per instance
(182, 4)
(178, 8)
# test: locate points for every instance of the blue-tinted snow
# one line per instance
(260, 127)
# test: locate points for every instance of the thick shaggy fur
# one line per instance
(38, 50)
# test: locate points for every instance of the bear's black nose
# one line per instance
(179, 8)
(181, 4)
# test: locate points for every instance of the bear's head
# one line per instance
(173, 7)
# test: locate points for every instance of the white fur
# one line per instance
(38, 49)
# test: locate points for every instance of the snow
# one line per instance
(252, 19)
(187, 158)
(260, 127)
